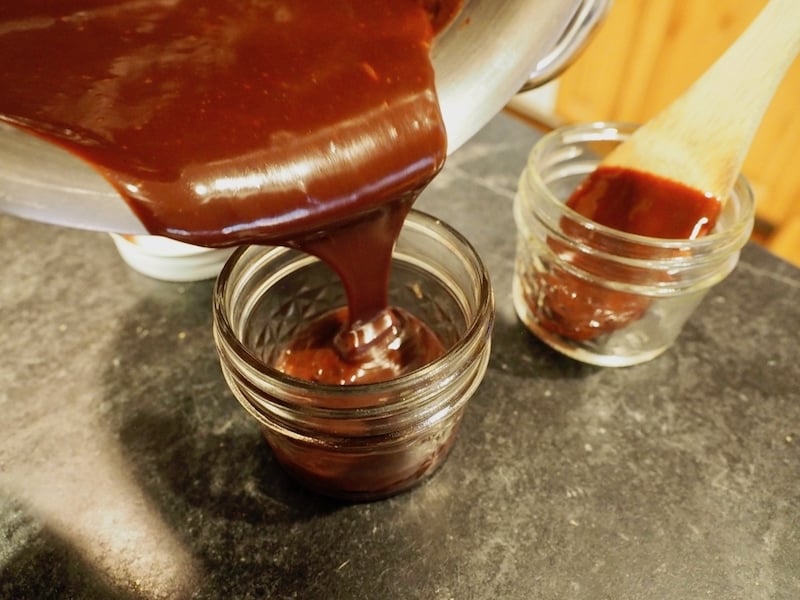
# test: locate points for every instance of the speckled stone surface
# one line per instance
(127, 469)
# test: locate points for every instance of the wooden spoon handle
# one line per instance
(702, 138)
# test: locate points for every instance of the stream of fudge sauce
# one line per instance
(308, 123)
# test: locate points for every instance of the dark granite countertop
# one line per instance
(127, 469)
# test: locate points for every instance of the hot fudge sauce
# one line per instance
(645, 204)
(307, 123)
(312, 123)
(331, 352)
(628, 201)
(230, 121)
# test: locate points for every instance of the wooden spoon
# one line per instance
(702, 138)
(672, 176)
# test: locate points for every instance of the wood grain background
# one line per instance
(645, 54)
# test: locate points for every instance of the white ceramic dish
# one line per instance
(170, 260)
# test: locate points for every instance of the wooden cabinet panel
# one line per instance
(647, 53)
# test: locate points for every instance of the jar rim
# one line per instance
(610, 131)
(326, 396)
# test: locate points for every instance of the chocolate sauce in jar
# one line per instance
(632, 202)
(329, 351)
(645, 204)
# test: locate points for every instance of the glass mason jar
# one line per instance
(361, 441)
(595, 293)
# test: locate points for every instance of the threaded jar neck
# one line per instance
(450, 277)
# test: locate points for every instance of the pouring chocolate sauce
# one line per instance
(230, 122)
(313, 124)
(482, 58)
(222, 123)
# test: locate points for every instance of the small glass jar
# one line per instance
(363, 441)
(597, 294)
